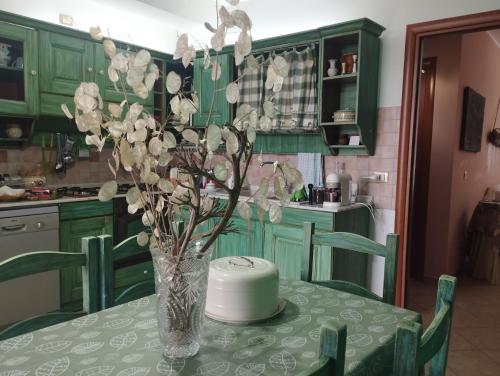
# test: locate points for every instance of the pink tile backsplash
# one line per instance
(95, 169)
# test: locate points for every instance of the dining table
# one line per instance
(124, 340)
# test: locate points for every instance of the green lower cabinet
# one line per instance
(247, 241)
(284, 246)
(71, 231)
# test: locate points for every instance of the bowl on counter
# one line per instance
(13, 130)
(10, 194)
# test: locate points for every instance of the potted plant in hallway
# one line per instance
(146, 149)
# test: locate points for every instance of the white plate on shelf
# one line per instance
(281, 307)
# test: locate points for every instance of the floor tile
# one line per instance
(483, 338)
(472, 362)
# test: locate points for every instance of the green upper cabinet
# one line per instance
(247, 241)
(65, 63)
(108, 89)
(212, 110)
(18, 70)
(353, 49)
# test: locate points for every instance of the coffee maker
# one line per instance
(338, 189)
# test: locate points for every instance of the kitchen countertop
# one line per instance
(216, 194)
(294, 205)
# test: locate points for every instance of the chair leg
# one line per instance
(408, 337)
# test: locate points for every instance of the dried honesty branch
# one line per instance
(146, 149)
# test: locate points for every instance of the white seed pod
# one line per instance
(253, 120)
(269, 109)
(115, 110)
(216, 71)
(209, 27)
(238, 57)
(152, 178)
(95, 32)
(126, 155)
(175, 105)
(244, 43)
(191, 136)
(120, 62)
(155, 146)
(241, 19)
(141, 91)
(232, 144)
(148, 218)
(169, 140)
(174, 82)
(153, 68)
(251, 135)
(149, 80)
(181, 46)
(226, 18)
(188, 56)
(220, 172)
(252, 62)
(214, 137)
(142, 239)
(275, 213)
(107, 191)
(165, 186)
(232, 92)
(113, 74)
(135, 76)
(233, 2)
(165, 158)
(217, 40)
(96, 141)
(109, 47)
(280, 190)
(265, 124)
(206, 58)
(133, 195)
(142, 58)
(66, 111)
(244, 210)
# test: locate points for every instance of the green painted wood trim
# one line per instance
(37, 323)
(413, 350)
(348, 287)
(109, 254)
(85, 209)
(38, 262)
(391, 268)
(352, 242)
(292, 143)
(90, 275)
(42, 25)
(136, 291)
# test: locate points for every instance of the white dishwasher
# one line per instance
(22, 231)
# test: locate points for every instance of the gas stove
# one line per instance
(80, 192)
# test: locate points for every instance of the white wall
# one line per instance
(151, 27)
(126, 20)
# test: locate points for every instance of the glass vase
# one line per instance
(181, 292)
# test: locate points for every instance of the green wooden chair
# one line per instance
(355, 243)
(108, 255)
(38, 262)
(413, 350)
(331, 362)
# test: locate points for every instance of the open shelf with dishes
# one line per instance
(15, 131)
(349, 90)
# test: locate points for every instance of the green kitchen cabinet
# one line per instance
(65, 62)
(19, 70)
(109, 91)
(247, 241)
(213, 110)
(77, 220)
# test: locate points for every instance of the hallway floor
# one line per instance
(475, 336)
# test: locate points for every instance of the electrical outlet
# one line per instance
(66, 19)
(381, 177)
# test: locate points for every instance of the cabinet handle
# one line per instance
(101, 72)
(34, 72)
(145, 272)
(90, 69)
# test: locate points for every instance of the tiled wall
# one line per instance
(95, 169)
(384, 160)
(26, 161)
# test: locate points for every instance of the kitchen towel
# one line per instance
(309, 164)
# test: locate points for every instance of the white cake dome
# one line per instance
(242, 289)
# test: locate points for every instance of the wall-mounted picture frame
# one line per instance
(472, 120)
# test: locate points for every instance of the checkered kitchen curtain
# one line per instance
(296, 102)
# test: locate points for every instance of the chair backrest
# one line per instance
(413, 350)
(331, 362)
(355, 243)
(38, 262)
(108, 255)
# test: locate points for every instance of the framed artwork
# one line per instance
(472, 121)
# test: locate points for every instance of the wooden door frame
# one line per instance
(414, 35)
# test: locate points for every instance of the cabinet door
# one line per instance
(71, 233)
(284, 245)
(245, 242)
(65, 63)
(108, 90)
(18, 70)
(218, 112)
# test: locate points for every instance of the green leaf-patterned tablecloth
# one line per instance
(123, 340)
